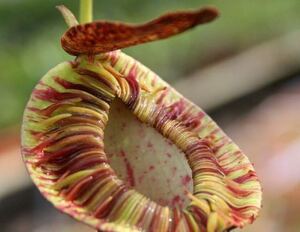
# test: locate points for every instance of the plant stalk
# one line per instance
(86, 11)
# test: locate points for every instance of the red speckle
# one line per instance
(174, 170)
(129, 170)
(141, 178)
(186, 179)
(123, 125)
(109, 155)
(149, 145)
(169, 142)
(168, 154)
(122, 154)
(151, 168)
(141, 132)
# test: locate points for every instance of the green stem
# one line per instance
(86, 11)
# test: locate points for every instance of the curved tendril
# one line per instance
(69, 17)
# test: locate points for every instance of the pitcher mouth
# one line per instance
(145, 160)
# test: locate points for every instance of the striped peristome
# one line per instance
(63, 148)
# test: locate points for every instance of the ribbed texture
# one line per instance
(62, 145)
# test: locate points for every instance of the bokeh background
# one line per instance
(243, 69)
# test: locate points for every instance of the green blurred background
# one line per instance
(30, 39)
(263, 120)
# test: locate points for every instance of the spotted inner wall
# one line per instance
(145, 159)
